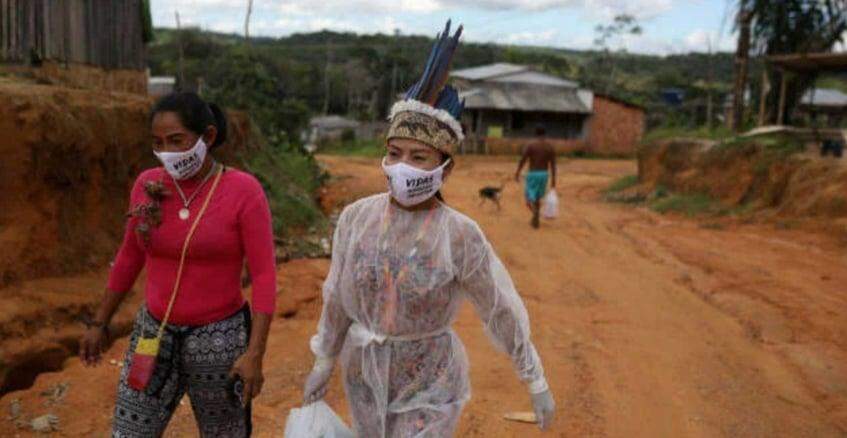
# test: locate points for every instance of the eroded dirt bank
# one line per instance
(648, 325)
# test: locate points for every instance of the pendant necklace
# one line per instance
(184, 212)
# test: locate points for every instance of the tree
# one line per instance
(793, 26)
(614, 34)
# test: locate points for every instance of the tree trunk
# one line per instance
(742, 57)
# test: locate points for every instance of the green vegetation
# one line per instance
(704, 133)
(831, 82)
(282, 81)
(780, 144)
(788, 27)
(768, 149)
(688, 204)
(290, 180)
(622, 184)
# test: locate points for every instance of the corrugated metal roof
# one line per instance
(489, 71)
(512, 73)
(824, 97)
(512, 97)
(535, 78)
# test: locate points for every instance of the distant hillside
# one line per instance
(363, 73)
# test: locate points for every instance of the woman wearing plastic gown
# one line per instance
(401, 264)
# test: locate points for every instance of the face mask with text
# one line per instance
(410, 186)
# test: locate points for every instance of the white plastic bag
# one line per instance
(316, 420)
(550, 207)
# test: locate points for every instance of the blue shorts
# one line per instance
(536, 185)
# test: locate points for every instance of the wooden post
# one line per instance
(481, 131)
(763, 97)
(783, 91)
(742, 55)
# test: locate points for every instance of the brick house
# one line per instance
(617, 127)
(505, 102)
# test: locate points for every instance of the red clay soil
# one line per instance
(801, 187)
(648, 326)
(69, 159)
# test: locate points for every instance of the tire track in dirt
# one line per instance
(646, 323)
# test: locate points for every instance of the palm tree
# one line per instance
(793, 26)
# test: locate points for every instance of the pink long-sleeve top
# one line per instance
(235, 227)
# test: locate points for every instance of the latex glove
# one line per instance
(317, 382)
(544, 407)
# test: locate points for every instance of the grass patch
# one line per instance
(290, 180)
(779, 144)
(622, 184)
(704, 133)
(355, 148)
(687, 204)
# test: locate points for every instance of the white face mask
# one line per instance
(184, 165)
(409, 185)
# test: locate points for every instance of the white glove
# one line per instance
(544, 407)
(316, 384)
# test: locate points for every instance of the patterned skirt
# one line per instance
(193, 360)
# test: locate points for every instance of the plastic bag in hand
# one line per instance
(316, 420)
(550, 209)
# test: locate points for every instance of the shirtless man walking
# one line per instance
(542, 157)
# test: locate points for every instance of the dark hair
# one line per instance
(540, 131)
(194, 113)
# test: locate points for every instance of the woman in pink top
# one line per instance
(213, 344)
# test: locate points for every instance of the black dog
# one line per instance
(492, 194)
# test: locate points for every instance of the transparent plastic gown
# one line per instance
(396, 282)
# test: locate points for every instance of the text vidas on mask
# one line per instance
(184, 165)
(409, 185)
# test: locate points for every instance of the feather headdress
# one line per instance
(431, 109)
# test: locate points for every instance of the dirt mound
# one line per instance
(771, 177)
(69, 159)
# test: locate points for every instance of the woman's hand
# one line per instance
(248, 368)
(92, 344)
(317, 382)
(544, 407)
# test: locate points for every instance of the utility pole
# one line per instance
(247, 22)
(742, 57)
(327, 85)
(710, 105)
(181, 52)
(394, 66)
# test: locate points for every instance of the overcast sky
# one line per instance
(670, 26)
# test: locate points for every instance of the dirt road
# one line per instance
(648, 325)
